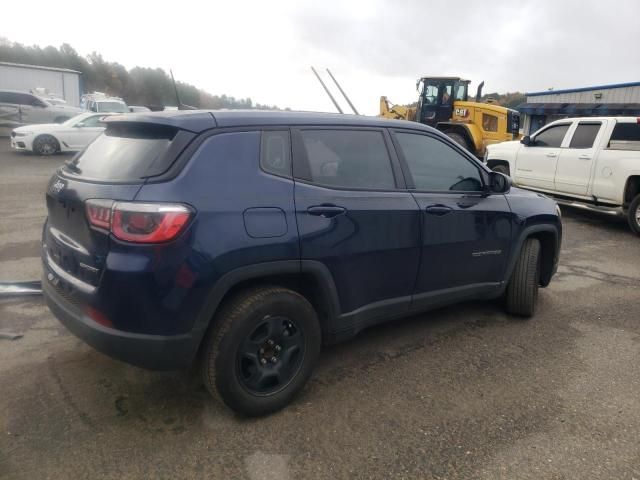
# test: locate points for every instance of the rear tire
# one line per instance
(522, 291)
(261, 350)
(633, 215)
(46, 145)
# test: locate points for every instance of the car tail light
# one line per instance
(139, 222)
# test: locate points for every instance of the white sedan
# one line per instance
(47, 139)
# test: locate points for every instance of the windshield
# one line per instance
(73, 120)
(115, 107)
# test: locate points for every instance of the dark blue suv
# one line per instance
(245, 240)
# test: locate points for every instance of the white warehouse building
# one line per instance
(60, 82)
(621, 99)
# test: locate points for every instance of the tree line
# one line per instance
(138, 86)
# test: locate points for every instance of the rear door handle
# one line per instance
(584, 157)
(552, 154)
(438, 210)
(326, 211)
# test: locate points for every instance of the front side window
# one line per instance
(552, 136)
(431, 94)
(348, 159)
(489, 123)
(585, 135)
(436, 166)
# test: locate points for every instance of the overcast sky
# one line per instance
(263, 49)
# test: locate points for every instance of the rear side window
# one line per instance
(585, 135)
(348, 159)
(125, 152)
(552, 136)
(276, 153)
(629, 132)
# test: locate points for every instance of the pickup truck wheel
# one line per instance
(46, 145)
(633, 216)
(522, 291)
(261, 350)
(501, 169)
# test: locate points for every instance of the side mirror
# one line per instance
(526, 140)
(79, 125)
(499, 182)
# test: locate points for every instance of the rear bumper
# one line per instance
(154, 352)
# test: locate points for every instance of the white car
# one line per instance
(99, 102)
(49, 138)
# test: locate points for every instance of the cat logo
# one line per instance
(461, 112)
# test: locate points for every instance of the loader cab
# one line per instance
(437, 95)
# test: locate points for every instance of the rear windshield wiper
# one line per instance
(72, 165)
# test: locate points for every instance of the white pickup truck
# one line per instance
(591, 162)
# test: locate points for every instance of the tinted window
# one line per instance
(276, 153)
(124, 153)
(93, 121)
(348, 158)
(552, 136)
(489, 123)
(11, 97)
(629, 132)
(436, 166)
(585, 135)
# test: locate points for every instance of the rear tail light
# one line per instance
(139, 222)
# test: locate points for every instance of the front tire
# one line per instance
(261, 350)
(46, 145)
(633, 215)
(522, 291)
(459, 139)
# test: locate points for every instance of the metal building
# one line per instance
(61, 82)
(603, 100)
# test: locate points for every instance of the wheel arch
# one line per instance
(549, 238)
(631, 189)
(495, 162)
(309, 278)
(469, 132)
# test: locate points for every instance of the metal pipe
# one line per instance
(327, 90)
(11, 289)
(342, 92)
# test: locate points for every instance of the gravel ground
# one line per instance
(462, 392)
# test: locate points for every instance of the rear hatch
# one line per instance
(112, 168)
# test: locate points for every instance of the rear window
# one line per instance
(585, 135)
(629, 132)
(125, 153)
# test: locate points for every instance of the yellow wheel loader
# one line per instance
(444, 104)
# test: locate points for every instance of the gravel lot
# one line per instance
(462, 392)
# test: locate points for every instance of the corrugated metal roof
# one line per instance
(604, 109)
(38, 67)
(584, 89)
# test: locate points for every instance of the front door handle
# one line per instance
(326, 211)
(584, 157)
(438, 210)
(552, 155)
